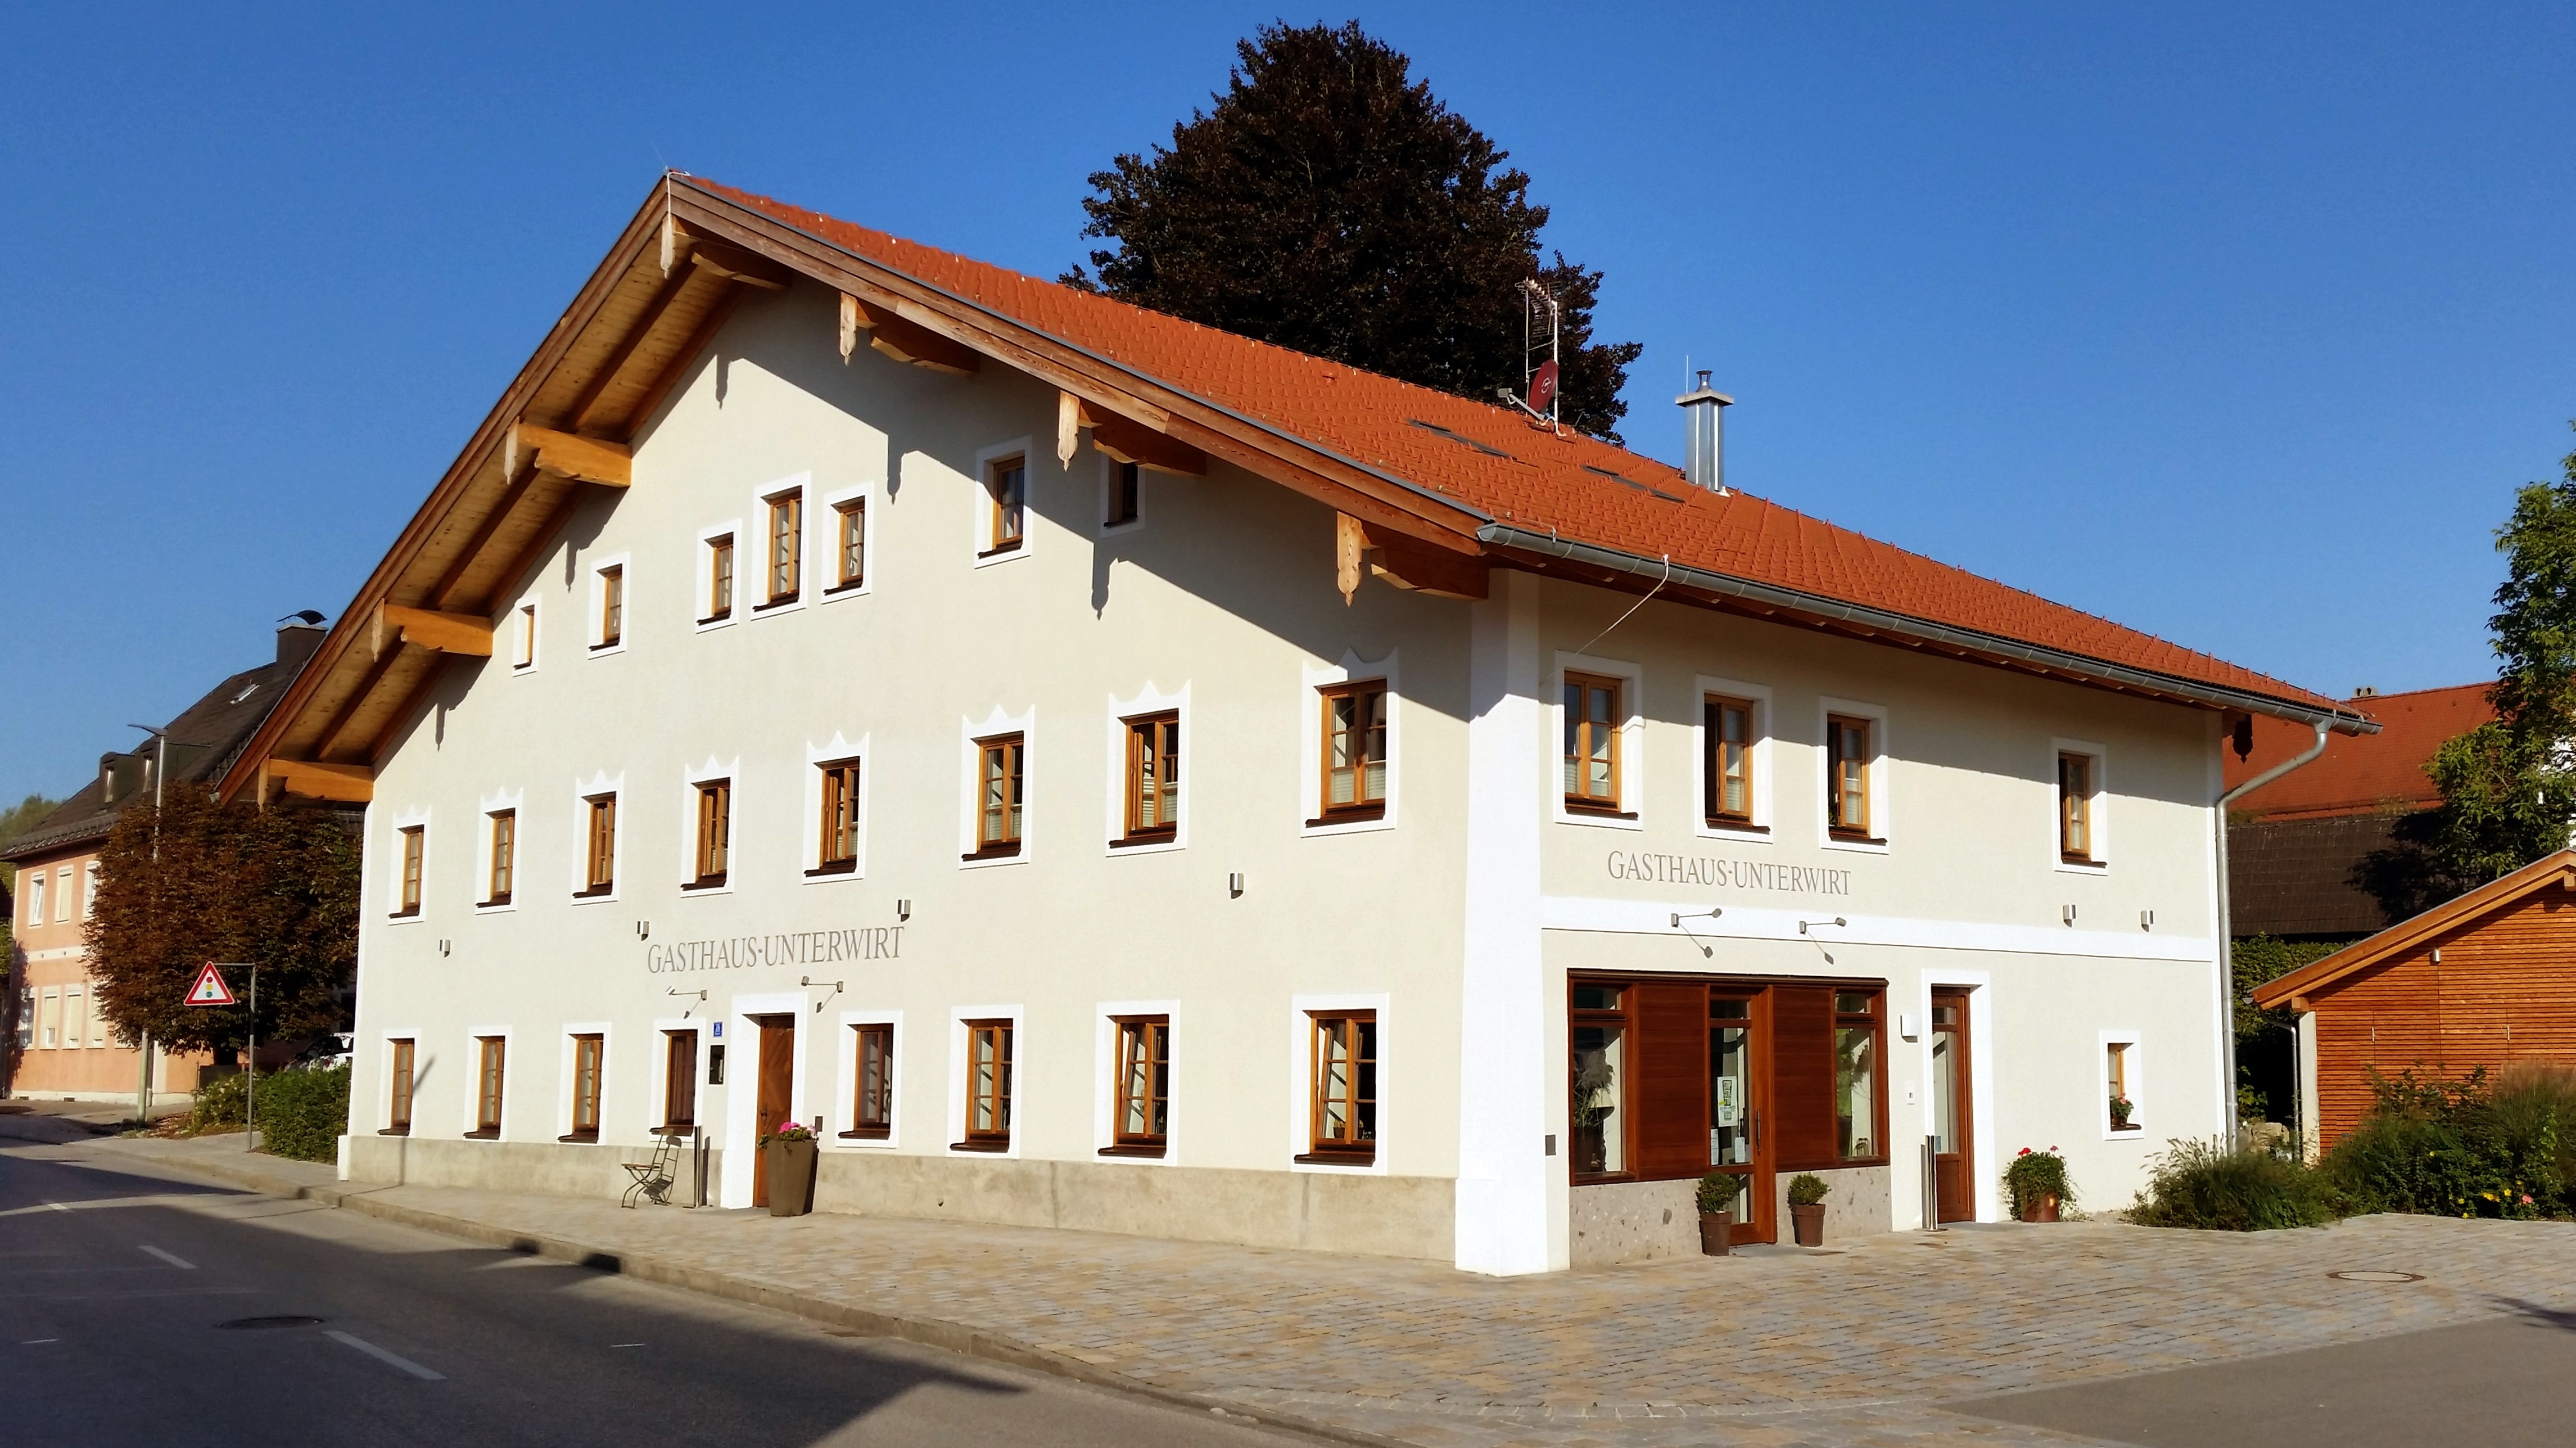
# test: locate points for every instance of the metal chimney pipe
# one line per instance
(1704, 438)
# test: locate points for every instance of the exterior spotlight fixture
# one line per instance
(1234, 885)
(827, 1000)
(1837, 920)
(2146, 920)
(442, 949)
(903, 910)
(643, 929)
(2069, 914)
(1711, 913)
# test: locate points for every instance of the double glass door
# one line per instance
(1735, 1139)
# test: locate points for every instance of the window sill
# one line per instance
(395, 1131)
(781, 601)
(869, 1133)
(674, 1128)
(703, 882)
(1003, 551)
(596, 892)
(1852, 837)
(586, 1138)
(839, 589)
(1590, 1179)
(1147, 837)
(994, 852)
(1336, 1158)
(1357, 815)
(839, 867)
(1737, 827)
(2132, 1129)
(606, 645)
(995, 1147)
(1598, 811)
(495, 903)
(715, 618)
(411, 914)
(488, 1134)
(1138, 1152)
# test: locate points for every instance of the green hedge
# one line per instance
(301, 1113)
(2466, 1146)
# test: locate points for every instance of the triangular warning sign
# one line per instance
(210, 989)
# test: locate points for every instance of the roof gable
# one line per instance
(2552, 871)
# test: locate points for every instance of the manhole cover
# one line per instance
(284, 1320)
(2377, 1276)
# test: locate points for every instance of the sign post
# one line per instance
(210, 990)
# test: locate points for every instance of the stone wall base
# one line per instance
(1615, 1222)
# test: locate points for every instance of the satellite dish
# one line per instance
(1542, 387)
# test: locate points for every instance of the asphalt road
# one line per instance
(124, 1296)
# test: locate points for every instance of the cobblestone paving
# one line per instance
(1853, 1347)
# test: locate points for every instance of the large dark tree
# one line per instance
(1330, 203)
(200, 881)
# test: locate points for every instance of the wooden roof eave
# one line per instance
(2417, 931)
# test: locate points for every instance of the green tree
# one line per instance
(1330, 203)
(199, 881)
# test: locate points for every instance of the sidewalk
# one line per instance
(1872, 1345)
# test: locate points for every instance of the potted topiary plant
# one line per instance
(789, 1153)
(2037, 1181)
(1807, 1208)
(1717, 1213)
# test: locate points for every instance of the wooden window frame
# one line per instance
(501, 865)
(784, 576)
(1130, 1035)
(1874, 1020)
(991, 1139)
(721, 559)
(612, 607)
(1865, 833)
(1361, 808)
(1352, 1148)
(1579, 727)
(713, 851)
(1156, 789)
(401, 1076)
(1623, 1017)
(589, 1065)
(838, 824)
(599, 847)
(872, 1104)
(1014, 747)
(1714, 709)
(2115, 1067)
(415, 849)
(2076, 814)
(491, 1080)
(850, 554)
(679, 1082)
(1125, 504)
(1006, 506)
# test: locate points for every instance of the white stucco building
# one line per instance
(1114, 774)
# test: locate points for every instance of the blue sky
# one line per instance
(2236, 327)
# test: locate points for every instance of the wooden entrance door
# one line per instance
(776, 1094)
(1954, 1147)
(1739, 1092)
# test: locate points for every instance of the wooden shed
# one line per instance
(2482, 980)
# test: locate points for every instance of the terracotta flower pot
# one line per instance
(2040, 1208)
(1808, 1224)
(1716, 1233)
(791, 1177)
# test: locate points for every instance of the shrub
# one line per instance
(301, 1113)
(1717, 1191)
(219, 1105)
(1806, 1189)
(2037, 1174)
(2461, 1146)
(2211, 1185)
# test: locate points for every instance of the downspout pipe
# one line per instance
(2227, 929)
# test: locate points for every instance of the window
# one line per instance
(505, 856)
(398, 1110)
(89, 890)
(612, 606)
(1856, 1053)
(1354, 751)
(1343, 1116)
(679, 1081)
(50, 1019)
(2075, 808)
(839, 852)
(586, 1054)
(36, 897)
(715, 832)
(1153, 778)
(489, 1056)
(527, 654)
(408, 902)
(1006, 489)
(75, 1017)
(1847, 754)
(26, 1018)
(786, 546)
(999, 791)
(872, 1083)
(63, 895)
(719, 578)
(850, 562)
(599, 874)
(1592, 720)
(1729, 726)
(1123, 504)
(988, 1086)
(1596, 1065)
(1143, 1088)
(2118, 1067)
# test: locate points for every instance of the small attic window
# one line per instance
(247, 690)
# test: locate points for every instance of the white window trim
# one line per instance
(1301, 1080)
(817, 755)
(415, 817)
(582, 791)
(1632, 742)
(981, 533)
(564, 1066)
(801, 484)
(420, 1061)
(1757, 767)
(1108, 479)
(1310, 738)
(970, 784)
(510, 1085)
(525, 625)
(1147, 700)
(515, 800)
(2100, 817)
(1882, 819)
(825, 515)
(2102, 1091)
(958, 1016)
(1104, 1078)
(704, 572)
(847, 1080)
(663, 1028)
(599, 602)
(708, 772)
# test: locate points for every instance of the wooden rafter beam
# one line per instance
(355, 783)
(444, 593)
(733, 263)
(356, 702)
(446, 633)
(539, 544)
(908, 341)
(586, 406)
(682, 360)
(588, 459)
(1124, 439)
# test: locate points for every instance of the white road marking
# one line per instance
(626, 1344)
(38, 1341)
(173, 1259)
(57, 1206)
(382, 1356)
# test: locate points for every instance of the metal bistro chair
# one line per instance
(653, 1177)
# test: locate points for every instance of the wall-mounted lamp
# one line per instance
(2146, 920)
(1837, 920)
(808, 980)
(1234, 885)
(903, 910)
(699, 994)
(643, 929)
(1711, 913)
(2067, 914)
(442, 948)
(1910, 1027)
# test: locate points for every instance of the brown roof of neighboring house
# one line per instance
(2359, 774)
(2557, 869)
(2294, 877)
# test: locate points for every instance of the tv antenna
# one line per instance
(1542, 320)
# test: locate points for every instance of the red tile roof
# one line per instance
(2364, 774)
(1586, 490)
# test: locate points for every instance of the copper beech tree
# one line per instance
(197, 881)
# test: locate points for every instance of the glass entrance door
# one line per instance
(1735, 1105)
(1953, 1119)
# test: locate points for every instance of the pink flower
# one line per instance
(2526, 1199)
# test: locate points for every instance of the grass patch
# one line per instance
(2216, 1187)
